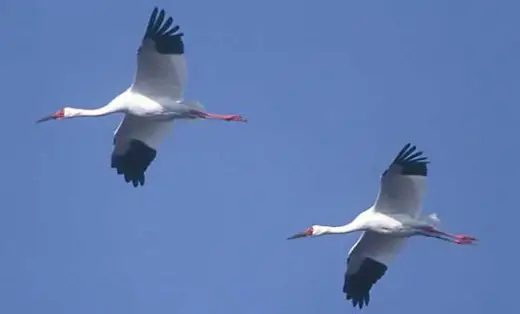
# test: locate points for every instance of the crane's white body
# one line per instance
(392, 218)
(385, 234)
(386, 225)
(152, 102)
(147, 120)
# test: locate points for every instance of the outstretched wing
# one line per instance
(367, 263)
(402, 184)
(161, 66)
(135, 146)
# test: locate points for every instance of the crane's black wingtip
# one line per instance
(412, 161)
(357, 286)
(163, 32)
(134, 162)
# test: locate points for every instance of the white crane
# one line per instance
(386, 225)
(151, 103)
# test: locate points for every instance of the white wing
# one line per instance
(367, 263)
(161, 66)
(135, 145)
(402, 184)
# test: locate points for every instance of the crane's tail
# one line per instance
(433, 220)
(193, 105)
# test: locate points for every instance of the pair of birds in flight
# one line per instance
(155, 100)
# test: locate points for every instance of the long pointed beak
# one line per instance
(60, 114)
(298, 235)
(47, 118)
(308, 232)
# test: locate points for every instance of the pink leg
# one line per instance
(455, 238)
(226, 117)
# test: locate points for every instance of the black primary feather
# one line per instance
(410, 161)
(133, 164)
(357, 286)
(165, 37)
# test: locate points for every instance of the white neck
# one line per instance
(112, 107)
(348, 228)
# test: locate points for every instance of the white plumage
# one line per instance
(151, 103)
(386, 225)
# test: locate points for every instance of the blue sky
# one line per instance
(333, 89)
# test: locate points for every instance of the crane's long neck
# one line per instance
(92, 112)
(348, 228)
(116, 105)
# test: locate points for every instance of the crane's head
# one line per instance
(58, 115)
(314, 230)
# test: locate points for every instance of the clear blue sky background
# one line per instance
(333, 89)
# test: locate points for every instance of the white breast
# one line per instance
(143, 106)
(385, 223)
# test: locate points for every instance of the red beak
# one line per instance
(47, 118)
(57, 115)
(306, 233)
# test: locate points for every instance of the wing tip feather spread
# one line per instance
(164, 33)
(411, 161)
(134, 162)
(357, 286)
